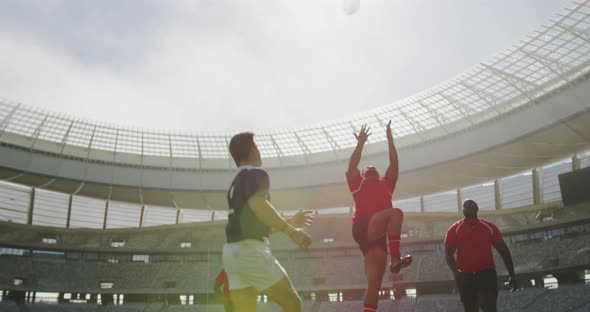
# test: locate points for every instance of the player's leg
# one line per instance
(488, 290)
(378, 226)
(467, 287)
(375, 256)
(239, 260)
(244, 299)
(389, 223)
(285, 295)
(375, 263)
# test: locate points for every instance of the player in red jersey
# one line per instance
(472, 238)
(376, 224)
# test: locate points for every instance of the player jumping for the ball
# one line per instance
(376, 224)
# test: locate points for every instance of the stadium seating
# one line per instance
(31, 307)
(572, 298)
(565, 298)
(341, 306)
(438, 303)
(206, 236)
(402, 305)
(517, 301)
(309, 270)
(8, 306)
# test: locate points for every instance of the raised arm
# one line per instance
(355, 159)
(393, 169)
(268, 215)
(507, 258)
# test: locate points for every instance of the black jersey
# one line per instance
(242, 221)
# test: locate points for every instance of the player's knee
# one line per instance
(397, 213)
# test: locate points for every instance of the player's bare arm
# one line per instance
(268, 215)
(507, 258)
(450, 258)
(393, 168)
(355, 159)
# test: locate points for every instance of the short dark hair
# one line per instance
(240, 146)
(470, 202)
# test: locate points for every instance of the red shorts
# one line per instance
(360, 233)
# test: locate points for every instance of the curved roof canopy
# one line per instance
(549, 58)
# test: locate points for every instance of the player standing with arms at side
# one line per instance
(472, 238)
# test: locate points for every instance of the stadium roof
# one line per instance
(551, 57)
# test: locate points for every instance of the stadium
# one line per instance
(103, 217)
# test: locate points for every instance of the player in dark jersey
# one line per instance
(301, 219)
(472, 238)
(251, 268)
(376, 224)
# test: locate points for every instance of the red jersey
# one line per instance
(370, 194)
(474, 240)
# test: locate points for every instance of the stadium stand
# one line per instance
(571, 298)
(31, 307)
(9, 306)
(311, 270)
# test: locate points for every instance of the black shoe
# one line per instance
(400, 263)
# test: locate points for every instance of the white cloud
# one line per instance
(234, 65)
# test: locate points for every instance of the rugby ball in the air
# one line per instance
(351, 6)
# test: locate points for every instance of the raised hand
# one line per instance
(388, 131)
(301, 218)
(363, 135)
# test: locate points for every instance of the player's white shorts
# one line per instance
(249, 263)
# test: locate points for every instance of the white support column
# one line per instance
(498, 193)
(106, 208)
(143, 209)
(537, 187)
(106, 214)
(459, 200)
(178, 215)
(142, 215)
(31, 207)
(178, 210)
(576, 163)
(69, 211)
(422, 208)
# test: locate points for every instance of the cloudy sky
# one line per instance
(244, 64)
